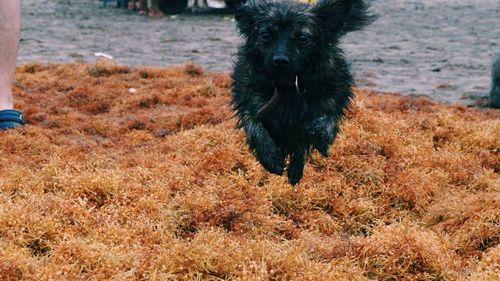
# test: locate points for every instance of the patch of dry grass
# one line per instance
(158, 185)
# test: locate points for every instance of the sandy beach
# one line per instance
(441, 49)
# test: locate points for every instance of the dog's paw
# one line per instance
(264, 148)
(295, 174)
(322, 148)
(296, 167)
(321, 133)
(272, 158)
(273, 161)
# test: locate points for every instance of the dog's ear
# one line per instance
(343, 16)
(244, 16)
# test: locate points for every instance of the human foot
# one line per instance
(10, 119)
(156, 13)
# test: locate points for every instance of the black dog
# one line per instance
(291, 82)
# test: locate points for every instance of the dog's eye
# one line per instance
(265, 35)
(304, 37)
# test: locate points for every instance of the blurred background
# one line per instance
(441, 49)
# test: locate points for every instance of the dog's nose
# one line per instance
(280, 60)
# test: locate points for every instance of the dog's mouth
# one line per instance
(282, 76)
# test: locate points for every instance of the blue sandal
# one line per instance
(10, 119)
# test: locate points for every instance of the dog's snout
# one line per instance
(280, 60)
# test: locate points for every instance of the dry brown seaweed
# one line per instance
(159, 185)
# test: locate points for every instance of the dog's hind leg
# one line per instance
(296, 167)
(266, 151)
(322, 132)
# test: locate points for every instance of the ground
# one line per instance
(139, 174)
(441, 49)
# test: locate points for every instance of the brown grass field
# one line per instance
(158, 185)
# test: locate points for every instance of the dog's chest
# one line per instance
(287, 120)
(290, 112)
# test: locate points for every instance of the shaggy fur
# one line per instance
(291, 82)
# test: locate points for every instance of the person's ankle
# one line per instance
(6, 102)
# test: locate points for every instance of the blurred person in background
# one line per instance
(155, 10)
(143, 7)
(10, 28)
(133, 5)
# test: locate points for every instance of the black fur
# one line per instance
(495, 82)
(291, 82)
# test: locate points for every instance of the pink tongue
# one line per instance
(261, 114)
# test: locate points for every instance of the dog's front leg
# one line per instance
(264, 147)
(296, 167)
(322, 132)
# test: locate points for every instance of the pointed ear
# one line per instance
(343, 16)
(244, 16)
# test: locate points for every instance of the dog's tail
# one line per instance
(343, 16)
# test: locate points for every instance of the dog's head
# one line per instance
(286, 36)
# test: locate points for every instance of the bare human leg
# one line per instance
(10, 26)
(10, 29)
